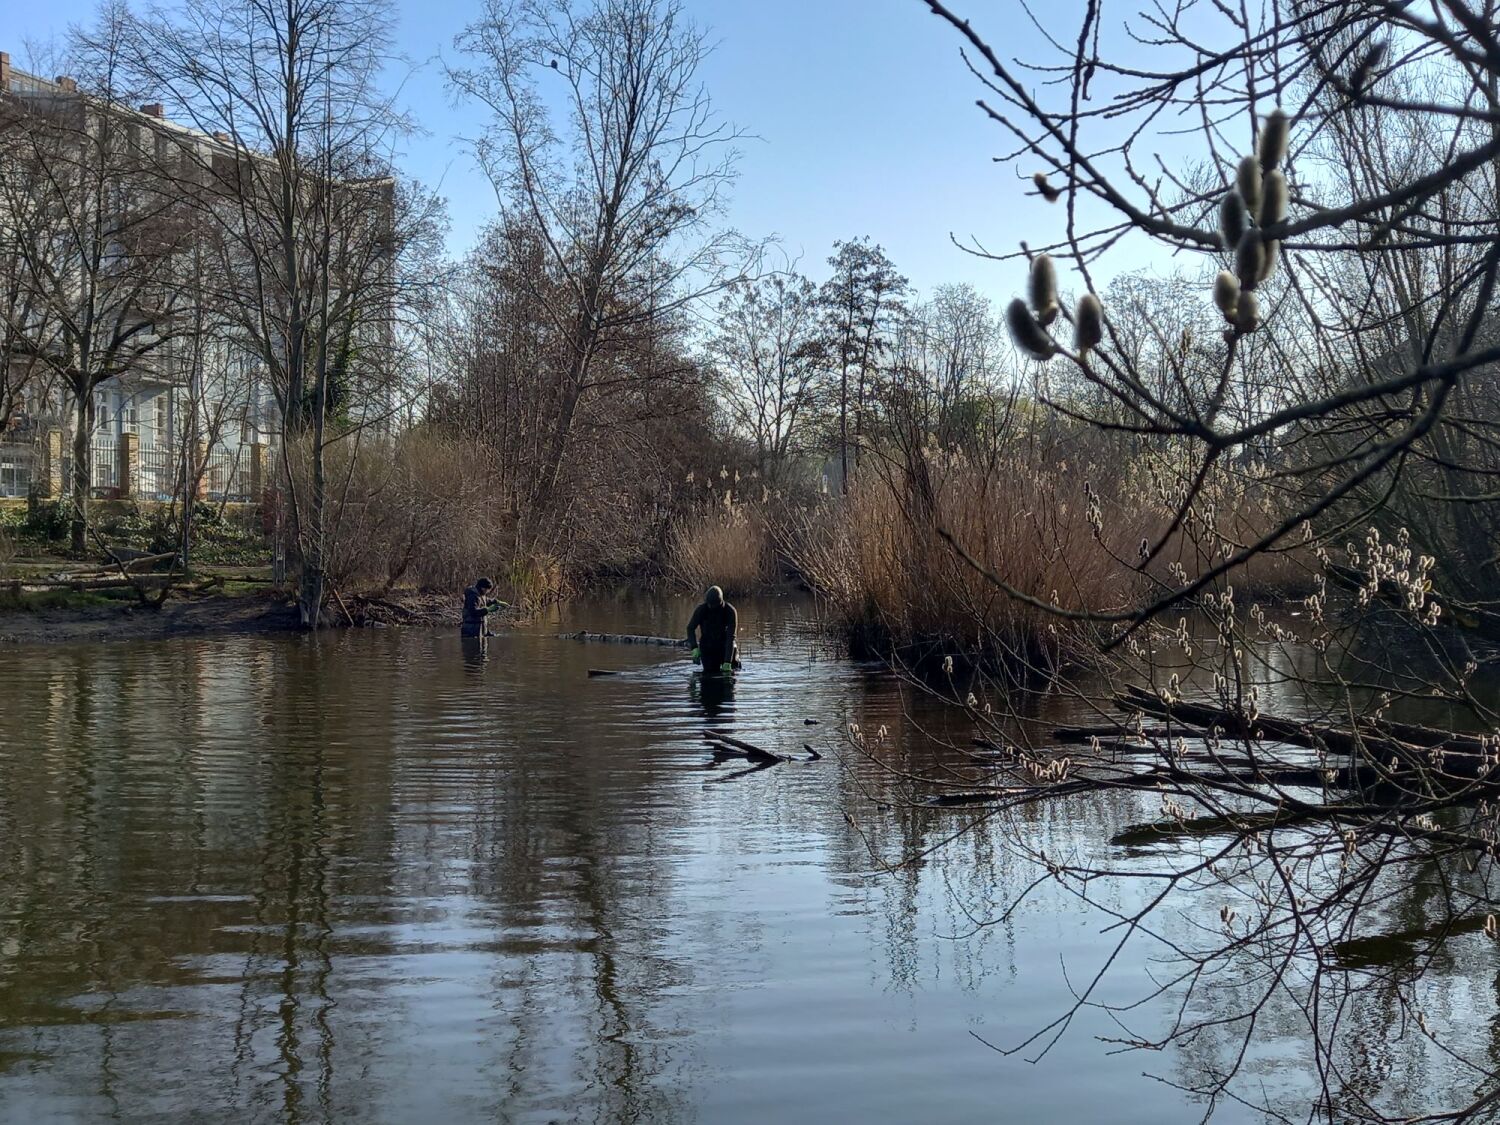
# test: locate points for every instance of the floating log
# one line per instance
(813, 755)
(622, 639)
(1156, 832)
(735, 747)
(1413, 748)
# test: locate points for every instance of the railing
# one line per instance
(159, 473)
(225, 474)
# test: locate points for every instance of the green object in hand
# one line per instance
(726, 667)
(696, 655)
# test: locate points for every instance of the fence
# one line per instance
(105, 456)
(232, 475)
(160, 471)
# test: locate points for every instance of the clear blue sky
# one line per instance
(862, 114)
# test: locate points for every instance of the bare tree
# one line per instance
(293, 167)
(606, 149)
(96, 236)
(771, 357)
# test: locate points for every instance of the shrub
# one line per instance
(422, 511)
(892, 583)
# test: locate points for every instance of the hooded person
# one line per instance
(478, 605)
(710, 633)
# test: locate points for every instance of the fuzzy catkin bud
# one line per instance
(1274, 135)
(1271, 252)
(1227, 294)
(1247, 314)
(1044, 289)
(1273, 198)
(1088, 328)
(1249, 259)
(1027, 333)
(1232, 221)
(1247, 182)
(1044, 187)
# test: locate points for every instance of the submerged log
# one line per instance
(1159, 831)
(622, 639)
(1120, 732)
(953, 800)
(1411, 747)
(731, 747)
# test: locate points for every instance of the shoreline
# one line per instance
(211, 614)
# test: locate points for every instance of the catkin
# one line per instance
(1247, 314)
(1044, 186)
(1227, 294)
(1247, 181)
(1273, 198)
(1274, 135)
(1088, 328)
(1232, 221)
(1044, 289)
(1027, 333)
(1249, 259)
(1271, 253)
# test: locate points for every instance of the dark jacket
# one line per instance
(476, 608)
(716, 624)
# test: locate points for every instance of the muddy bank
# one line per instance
(198, 615)
(131, 621)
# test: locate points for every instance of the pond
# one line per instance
(375, 876)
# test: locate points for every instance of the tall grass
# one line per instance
(1065, 532)
(728, 545)
(892, 584)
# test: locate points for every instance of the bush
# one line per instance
(422, 512)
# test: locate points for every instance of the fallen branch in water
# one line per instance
(1401, 747)
(731, 747)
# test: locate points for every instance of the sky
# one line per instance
(860, 115)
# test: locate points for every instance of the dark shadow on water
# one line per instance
(476, 652)
(715, 694)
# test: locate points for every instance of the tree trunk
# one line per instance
(83, 432)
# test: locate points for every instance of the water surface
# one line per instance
(375, 876)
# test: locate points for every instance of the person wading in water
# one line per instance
(710, 633)
(478, 605)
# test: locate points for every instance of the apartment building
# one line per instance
(198, 399)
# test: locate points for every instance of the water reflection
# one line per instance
(381, 876)
(715, 694)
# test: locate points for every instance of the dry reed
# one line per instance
(727, 546)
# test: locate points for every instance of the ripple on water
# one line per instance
(370, 876)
